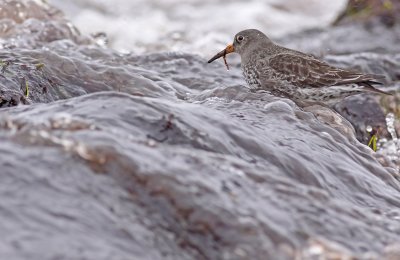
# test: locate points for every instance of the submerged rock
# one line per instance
(163, 156)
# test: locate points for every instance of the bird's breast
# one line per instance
(251, 76)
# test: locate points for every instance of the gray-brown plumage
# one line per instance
(293, 74)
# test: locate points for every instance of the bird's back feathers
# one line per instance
(307, 71)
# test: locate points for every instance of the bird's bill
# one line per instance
(223, 53)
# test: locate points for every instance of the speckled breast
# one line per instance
(251, 76)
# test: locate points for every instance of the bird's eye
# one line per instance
(239, 38)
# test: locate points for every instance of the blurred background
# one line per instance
(201, 26)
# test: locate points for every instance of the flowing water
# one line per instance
(163, 156)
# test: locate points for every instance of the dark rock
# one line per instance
(366, 115)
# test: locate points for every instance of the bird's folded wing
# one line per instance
(307, 71)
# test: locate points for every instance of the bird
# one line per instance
(293, 74)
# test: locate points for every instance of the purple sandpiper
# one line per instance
(292, 74)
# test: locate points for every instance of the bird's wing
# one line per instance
(303, 70)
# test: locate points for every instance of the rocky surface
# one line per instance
(186, 181)
(163, 156)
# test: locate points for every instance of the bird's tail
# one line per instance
(367, 86)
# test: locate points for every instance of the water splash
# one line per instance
(390, 125)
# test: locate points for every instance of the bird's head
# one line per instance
(243, 42)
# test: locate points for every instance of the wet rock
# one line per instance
(206, 183)
(30, 24)
(333, 119)
(169, 157)
(366, 115)
(64, 70)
